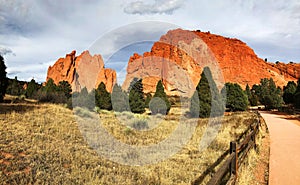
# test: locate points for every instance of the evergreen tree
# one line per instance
(53, 93)
(268, 94)
(84, 92)
(31, 89)
(14, 87)
(50, 86)
(289, 92)
(252, 97)
(297, 95)
(136, 96)
(83, 99)
(247, 91)
(160, 103)
(119, 99)
(236, 98)
(253, 100)
(148, 99)
(3, 79)
(65, 87)
(206, 100)
(103, 99)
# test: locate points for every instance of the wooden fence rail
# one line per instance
(238, 153)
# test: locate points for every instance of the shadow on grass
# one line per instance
(210, 169)
(6, 108)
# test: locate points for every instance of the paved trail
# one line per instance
(284, 150)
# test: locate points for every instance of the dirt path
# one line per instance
(284, 149)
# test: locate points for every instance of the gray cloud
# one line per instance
(158, 7)
(5, 51)
(32, 17)
(19, 17)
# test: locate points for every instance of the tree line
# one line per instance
(206, 101)
(134, 99)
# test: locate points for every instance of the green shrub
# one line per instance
(160, 103)
(83, 112)
(82, 99)
(128, 115)
(236, 98)
(139, 124)
(119, 99)
(128, 130)
(158, 106)
(51, 97)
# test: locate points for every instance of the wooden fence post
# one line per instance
(234, 161)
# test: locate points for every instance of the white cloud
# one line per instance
(157, 7)
(116, 39)
(43, 31)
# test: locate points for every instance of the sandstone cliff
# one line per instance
(179, 57)
(82, 71)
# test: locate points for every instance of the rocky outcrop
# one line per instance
(289, 71)
(82, 71)
(240, 64)
(179, 57)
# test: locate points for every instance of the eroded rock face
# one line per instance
(290, 70)
(82, 71)
(179, 57)
(240, 64)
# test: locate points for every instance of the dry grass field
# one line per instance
(42, 144)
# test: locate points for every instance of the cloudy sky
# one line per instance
(35, 33)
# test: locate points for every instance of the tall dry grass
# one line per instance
(43, 145)
(255, 168)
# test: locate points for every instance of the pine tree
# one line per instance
(160, 103)
(119, 99)
(289, 92)
(206, 100)
(253, 100)
(84, 92)
(268, 94)
(248, 91)
(252, 97)
(297, 95)
(65, 87)
(50, 86)
(83, 99)
(31, 89)
(148, 99)
(136, 96)
(236, 98)
(3, 79)
(14, 87)
(103, 99)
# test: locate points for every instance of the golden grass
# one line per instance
(43, 145)
(255, 168)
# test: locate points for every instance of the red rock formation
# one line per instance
(179, 57)
(82, 71)
(290, 70)
(240, 64)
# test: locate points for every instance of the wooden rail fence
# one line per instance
(237, 154)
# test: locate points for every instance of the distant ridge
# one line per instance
(236, 60)
(178, 59)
